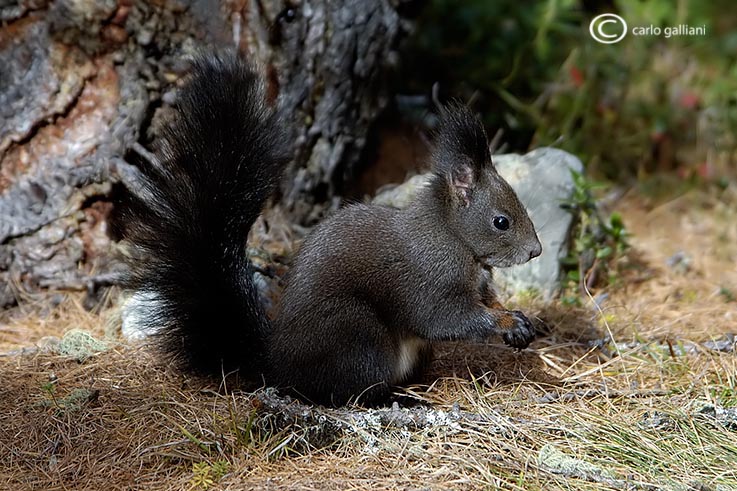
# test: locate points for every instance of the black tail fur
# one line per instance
(219, 159)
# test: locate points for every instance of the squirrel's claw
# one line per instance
(521, 334)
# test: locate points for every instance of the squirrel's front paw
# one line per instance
(521, 333)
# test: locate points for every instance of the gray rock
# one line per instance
(680, 262)
(401, 196)
(543, 181)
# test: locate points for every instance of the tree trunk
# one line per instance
(84, 81)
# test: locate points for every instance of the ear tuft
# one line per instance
(460, 141)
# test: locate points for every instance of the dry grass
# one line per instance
(576, 411)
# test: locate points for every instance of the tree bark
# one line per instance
(84, 81)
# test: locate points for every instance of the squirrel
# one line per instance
(371, 287)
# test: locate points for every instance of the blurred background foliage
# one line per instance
(646, 105)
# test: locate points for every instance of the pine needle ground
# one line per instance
(637, 390)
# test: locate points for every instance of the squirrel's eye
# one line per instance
(501, 222)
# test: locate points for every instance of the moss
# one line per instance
(80, 345)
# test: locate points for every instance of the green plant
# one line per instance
(205, 474)
(596, 244)
(500, 54)
(727, 294)
(50, 389)
(647, 105)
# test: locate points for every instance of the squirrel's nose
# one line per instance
(536, 251)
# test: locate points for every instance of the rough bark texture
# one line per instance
(83, 81)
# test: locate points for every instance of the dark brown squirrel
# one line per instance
(371, 287)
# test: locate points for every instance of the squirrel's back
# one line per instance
(217, 161)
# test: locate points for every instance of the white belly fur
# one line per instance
(136, 312)
(408, 356)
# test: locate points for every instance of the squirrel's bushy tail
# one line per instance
(218, 161)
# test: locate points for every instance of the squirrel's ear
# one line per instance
(461, 151)
(461, 181)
